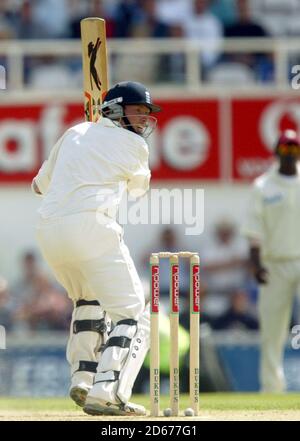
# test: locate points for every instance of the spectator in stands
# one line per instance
(24, 287)
(6, 29)
(206, 28)
(246, 27)
(124, 17)
(225, 266)
(170, 11)
(225, 10)
(47, 308)
(142, 22)
(239, 315)
(52, 16)
(225, 260)
(95, 8)
(6, 32)
(173, 65)
(6, 306)
(25, 25)
(145, 21)
(38, 302)
(37, 19)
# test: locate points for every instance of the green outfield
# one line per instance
(214, 406)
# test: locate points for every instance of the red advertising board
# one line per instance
(196, 139)
(187, 141)
(27, 134)
(255, 127)
(183, 146)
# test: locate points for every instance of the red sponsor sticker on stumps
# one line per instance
(196, 289)
(175, 289)
(155, 289)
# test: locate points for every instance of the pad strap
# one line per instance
(89, 325)
(121, 342)
(87, 303)
(129, 322)
(107, 376)
(88, 366)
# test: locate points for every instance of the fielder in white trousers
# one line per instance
(275, 310)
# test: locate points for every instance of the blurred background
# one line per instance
(225, 73)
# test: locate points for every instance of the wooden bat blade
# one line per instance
(94, 63)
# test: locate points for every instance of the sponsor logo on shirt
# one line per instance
(268, 200)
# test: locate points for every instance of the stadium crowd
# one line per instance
(204, 20)
(34, 302)
(37, 19)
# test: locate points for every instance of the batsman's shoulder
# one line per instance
(259, 182)
(264, 179)
(81, 127)
(137, 143)
(259, 187)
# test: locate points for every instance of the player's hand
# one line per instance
(261, 275)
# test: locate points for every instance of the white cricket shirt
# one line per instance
(90, 167)
(274, 215)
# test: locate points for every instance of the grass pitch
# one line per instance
(213, 407)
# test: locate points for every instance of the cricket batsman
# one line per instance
(82, 184)
(272, 227)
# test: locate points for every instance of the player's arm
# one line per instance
(41, 181)
(260, 272)
(253, 230)
(138, 184)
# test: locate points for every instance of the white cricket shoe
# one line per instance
(78, 394)
(94, 406)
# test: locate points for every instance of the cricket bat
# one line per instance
(94, 65)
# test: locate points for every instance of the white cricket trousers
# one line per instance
(275, 310)
(91, 261)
